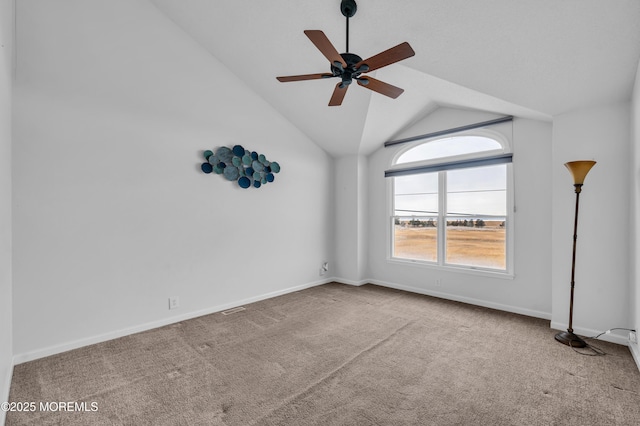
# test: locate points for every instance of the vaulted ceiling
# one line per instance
(529, 58)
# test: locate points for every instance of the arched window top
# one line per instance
(454, 146)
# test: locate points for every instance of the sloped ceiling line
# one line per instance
(532, 59)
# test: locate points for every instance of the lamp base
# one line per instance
(570, 339)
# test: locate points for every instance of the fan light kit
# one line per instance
(349, 66)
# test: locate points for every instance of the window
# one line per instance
(451, 202)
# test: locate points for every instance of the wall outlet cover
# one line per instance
(174, 302)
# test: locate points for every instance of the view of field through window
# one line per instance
(483, 246)
(466, 208)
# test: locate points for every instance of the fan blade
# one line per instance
(323, 44)
(304, 77)
(389, 56)
(380, 87)
(338, 94)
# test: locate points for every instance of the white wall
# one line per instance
(602, 260)
(111, 213)
(351, 219)
(363, 217)
(346, 219)
(634, 259)
(6, 69)
(529, 292)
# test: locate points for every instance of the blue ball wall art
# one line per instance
(246, 168)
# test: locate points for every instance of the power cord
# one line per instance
(609, 332)
(596, 351)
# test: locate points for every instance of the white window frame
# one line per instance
(441, 264)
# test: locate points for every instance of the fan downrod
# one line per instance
(348, 8)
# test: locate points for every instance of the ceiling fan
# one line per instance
(349, 66)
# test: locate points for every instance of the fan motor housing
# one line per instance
(351, 59)
(350, 72)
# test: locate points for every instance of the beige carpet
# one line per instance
(337, 355)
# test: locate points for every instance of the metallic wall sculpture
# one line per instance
(245, 167)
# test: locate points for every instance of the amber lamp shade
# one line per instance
(579, 170)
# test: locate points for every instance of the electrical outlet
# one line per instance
(324, 268)
(632, 337)
(438, 282)
(174, 302)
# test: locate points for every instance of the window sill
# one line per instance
(456, 269)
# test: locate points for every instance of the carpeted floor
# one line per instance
(336, 355)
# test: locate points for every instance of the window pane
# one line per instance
(477, 242)
(415, 217)
(416, 195)
(415, 238)
(477, 191)
(447, 147)
(476, 217)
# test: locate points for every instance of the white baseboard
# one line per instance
(463, 299)
(64, 347)
(635, 353)
(351, 282)
(587, 332)
(56, 349)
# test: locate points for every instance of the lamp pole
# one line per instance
(579, 170)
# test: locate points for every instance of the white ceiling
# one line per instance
(529, 58)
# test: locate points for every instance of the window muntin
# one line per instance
(453, 217)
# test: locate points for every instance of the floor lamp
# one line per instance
(579, 170)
